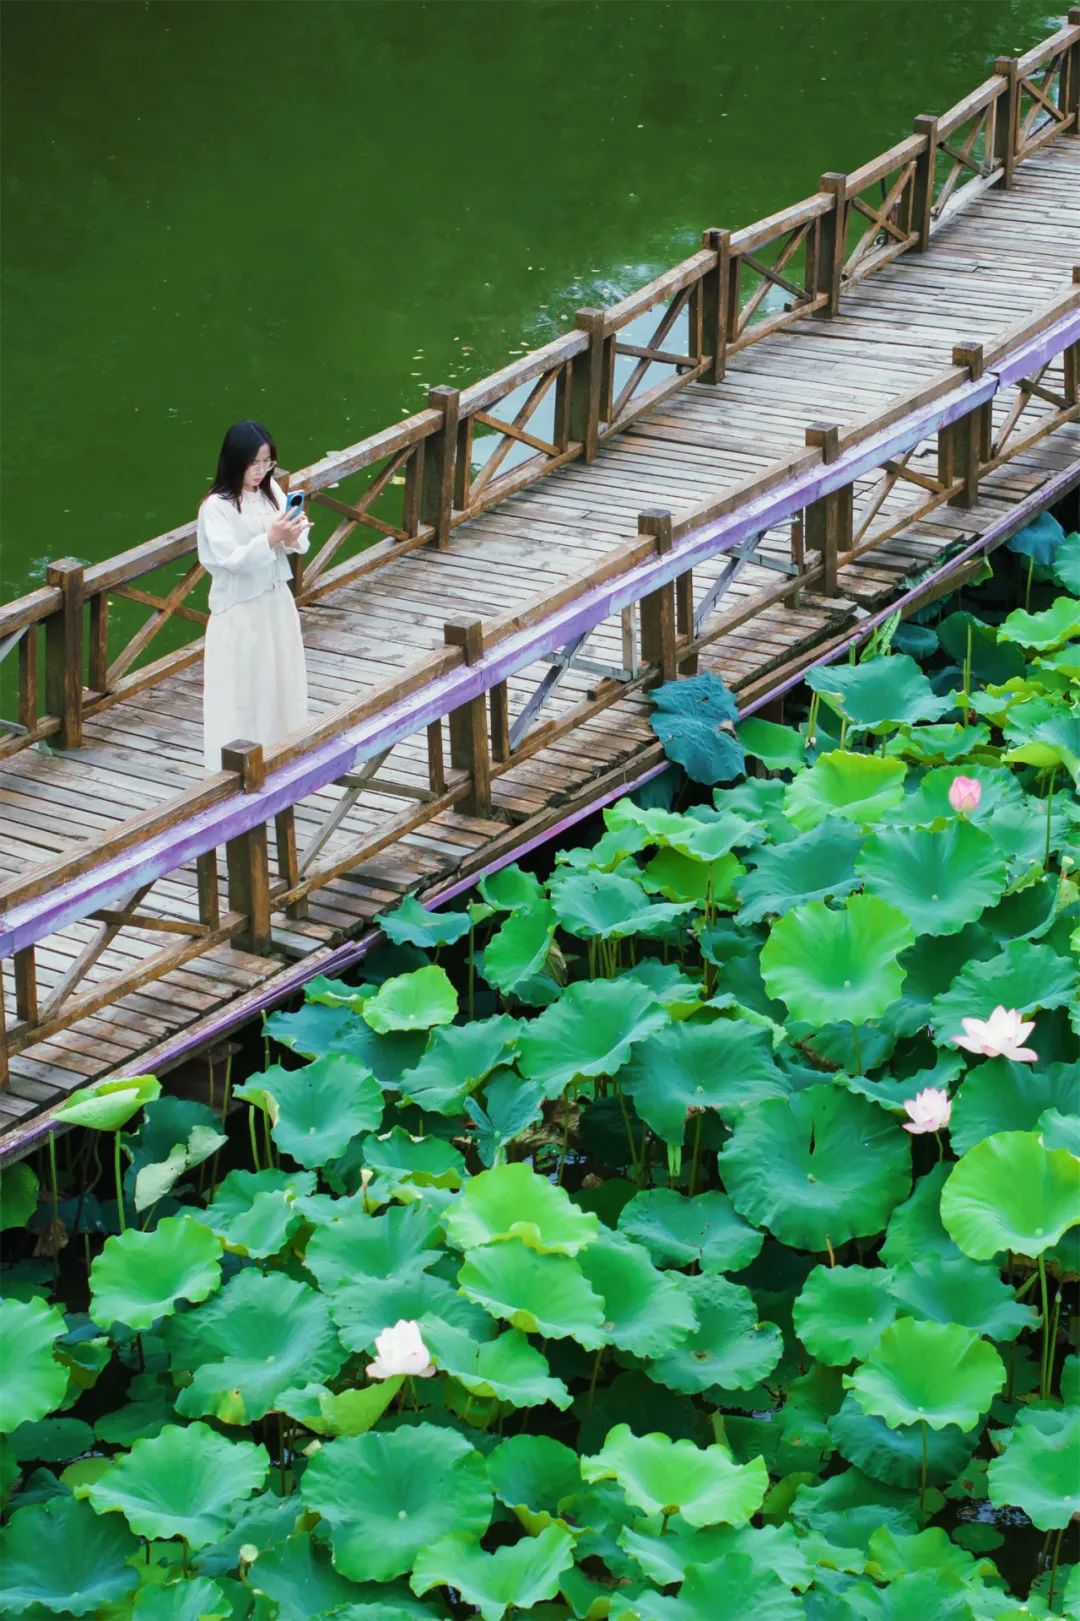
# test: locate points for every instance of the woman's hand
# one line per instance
(287, 532)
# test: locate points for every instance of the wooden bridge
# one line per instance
(744, 466)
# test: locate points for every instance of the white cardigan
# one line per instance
(235, 550)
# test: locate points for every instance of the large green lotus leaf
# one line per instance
(692, 1066)
(316, 1111)
(199, 1599)
(254, 1339)
(363, 1309)
(540, 1294)
(688, 881)
(608, 853)
(512, 1201)
(181, 1483)
(51, 1440)
(1046, 734)
(707, 835)
(770, 1548)
(679, 1231)
(18, 1195)
(892, 1557)
(1037, 1470)
(954, 1289)
(504, 1369)
(534, 1476)
(915, 1229)
(57, 1557)
(1043, 631)
(732, 1586)
(139, 1277)
(591, 1030)
(645, 1311)
(949, 743)
(673, 989)
(457, 1059)
(256, 1212)
(415, 1001)
(299, 1577)
(1004, 1096)
(511, 889)
(661, 1476)
(928, 803)
(879, 694)
(603, 906)
(846, 1510)
(511, 1104)
(107, 1105)
(314, 1031)
(1066, 564)
(411, 924)
(799, 1166)
(841, 1312)
(350, 1412)
(389, 1494)
(818, 960)
(812, 867)
(858, 787)
(937, 1373)
(688, 717)
(425, 1161)
(729, 1348)
(520, 948)
(1011, 1193)
(939, 880)
(354, 1245)
(34, 1382)
(895, 1454)
(517, 1576)
(1023, 976)
(779, 748)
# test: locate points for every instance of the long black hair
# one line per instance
(239, 449)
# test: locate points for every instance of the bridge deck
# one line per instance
(1003, 258)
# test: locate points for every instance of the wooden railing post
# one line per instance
(684, 620)
(714, 286)
(97, 674)
(437, 492)
(962, 445)
(658, 607)
(1007, 122)
(28, 678)
(247, 855)
(827, 270)
(922, 198)
(1071, 357)
(469, 749)
(206, 869)
(288, 862)
(1069, 99)
(64, 652)
(587, 383)
(24, 963)
(828, 521)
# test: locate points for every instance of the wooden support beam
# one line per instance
(288, 863)
(98, 672)
(247, 855)
(28, 678)
(964, 445)
(1071, 357)
(1008, 118)
(499, 706)
(826, 270)
(714, 304)
(469, 750)
(828, 522)
(206, 869)
(1070, 77)
(437, 494)
(64, 652)
(436, 761)
(684, 620)
(922, 195)
(26, 987)
(587, 383)
(658, 607)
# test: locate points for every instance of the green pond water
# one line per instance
(310, 211)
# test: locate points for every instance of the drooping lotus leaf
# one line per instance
(520, 948)
(688, 881)
(412, 924)
(818, 960)
(257, 1522)
(1045, 733)
(1057, 1130)
(354, 1244)
(679, 1231)
(940, 880)
(389, 1494)
(661, 1476)
(842, 1311)
(506, 1369)
(894, 1454)
(181, 1483)
(540, 1294)
(511, 1104)
(176, 1134)
(456, 1060)
(608, 853)
(891, 1557)
(779, 748)
(1022, 976)
(314, 1031)
(937, 1373)
(846, 1510)
(363, 1309)
(770, 1548)
(511, 889)
(591, 1030)
(533, 1475)
(107, 1105)
(256, 1212)
(645, 1311)
(878, 694)
(812, 867)
(57, 1556)
(688, 717)
(1000, 1095)
(299, 1577)
(799, 1166)
(18, 1195)
(1040, 539)
(604, 906)
(1066, 566)
(517, 1576)
(254, 1339)
(729, 1348)
(425, 1161)
(197, 1599)
(1009, 1192)
(1044, 631)
(34, 1381)
(949, 743)
(1037, 1470)
(51, 1440)
(349, 1412)
(317, 1110)
(139, 1277)
(858, 787)
(954, 1289)
(415, 1001)
(689, 1066)
(512, 1201)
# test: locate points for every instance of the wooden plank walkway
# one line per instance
(827, 342)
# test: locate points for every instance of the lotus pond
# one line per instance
(686, 1234)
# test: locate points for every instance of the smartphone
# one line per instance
(294, 506)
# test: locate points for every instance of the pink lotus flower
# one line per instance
(964, 794)
(930, 1110)
(999, 1036)
(401, 1350)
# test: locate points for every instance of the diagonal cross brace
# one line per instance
(736, 562)
(562, 663)
(355, 782)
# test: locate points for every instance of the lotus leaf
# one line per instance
(674, 990)
(879, 693)
(316, 1031)
(779, 748)
(1057, 1130)
(812, 867)
(34, 1381)
(388, 1495)
(688, 882)
(1022, 976)
(456, 1060)
(540, 1294)
(511, 1104)
(520, 948)
(197, 1600)
(511, 889)
(678, 1231)
(1000, 1095)
(107, 1105)
(517, 1576)
(350, 1412)
(1066, 564)
(847, 1509)
(505, 1369)
(1037, 1470)
(603, 906)
(661, 1476)
(299, 1577)
(180, 1483)
(684, 1067)
(176, 1135)
(1040, 539)
(52, 1440)
(770, 1548)
(841, 1312)
(256, 1212)
(798, 1166)
(936, 745)
(1046, 734)
(1043, 631)
(137, 1421)
(894, 1454)
(512, 1201)
(57, 1557)
(354, 1244)
(253, 1340)
(591, 1030)
(533, 1475)
(954, 1289)
(363, 1309)
(645, 1311)
(861, 788)
(426, 1161)
(18, 1195)
(316, 1111)
(729, 1348)
(1009, 1192)
(939, 880)
(937, 1373)
(892, 1556)
(817, 960)
(415, 1001)
(412, 924)
(139, 1277)
(688, 717)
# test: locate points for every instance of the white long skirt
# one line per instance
(254, 676)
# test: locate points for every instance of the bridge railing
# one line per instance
(214, 865)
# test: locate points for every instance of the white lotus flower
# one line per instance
(401, 1350)
(930, 1110)
(1000, 1036)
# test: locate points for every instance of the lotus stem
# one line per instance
(843, 732)
(268, 1142)
(266, 1044)
(599, 1357)
(925, 1465)
(694, 1156)
(1053, 1569)
(54, 1180)
(1049, 811)
(967, 675)
(858, 1049)
(210, 1077)
(629, 1132)
(667, 1515)
(940, 1148)
(227, 1099)
(1027, 588)
(832, 1254)
(811, 720)
(472, 969)
(254, 1138)
(1053, 1340)
(565, 1140)
(119, 1181)
(1044, 1366)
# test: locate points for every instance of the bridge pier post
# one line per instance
(964, 445)
(658, 608)
(437, 490)
(247, 855)
(922, 201)
(587, 384)
(715, 304)
(1008, 116)
(469, 746)
(64, 652)
(1070, 77)
(826, 273)
(828, 522)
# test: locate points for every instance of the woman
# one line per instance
(254, 679)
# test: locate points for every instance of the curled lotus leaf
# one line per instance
(686, 1067)
(58, 1557)
(456, 1060)
(604, 906)
(818, 959)
(861, 788)
(894, 1454)
(687, 881)
(534, 1476)
(506, 1369)
(661, 1476)
(139, 1277)
(878, 694)
(841, 1312)
(729, 1348)
(363, 1309)
(516, 1576)
(780, 748)
(540, 1294)
(349, 1412)
(354, 1244)
(511, 1104)
(813, 867)
(1037, 1470)
(423, 1162)
(680, 1231)
(1000, 1095)
(412, 924)
(195, 1599)
(691, 717)
(256, 1212)
(520, 948)
(108, 1105)
(34, 1381)
(1010, 1192)
(512, 1201)
(317, 1110)
(415, 1001)
(1044, 631)
(591, 1030)
(770, 1548)
(18, 1195)
(954, 1289)
(645, 1311)
(925, 1372)
(940, 880)
(511, 889)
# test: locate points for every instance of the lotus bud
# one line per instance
(400, 1350)
(964, 794)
